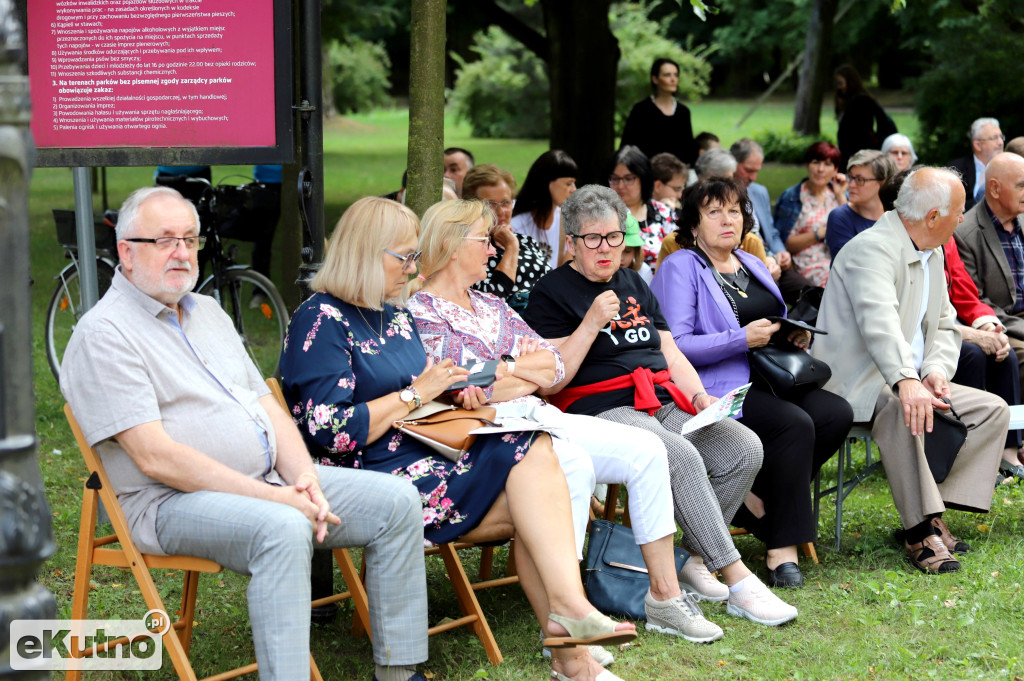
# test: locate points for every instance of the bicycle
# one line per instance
(251, 299)
(65, 308)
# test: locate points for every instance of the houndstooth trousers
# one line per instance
(711, 471)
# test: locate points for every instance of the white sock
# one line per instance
(738, 586)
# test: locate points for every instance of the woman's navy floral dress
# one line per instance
(334, 362)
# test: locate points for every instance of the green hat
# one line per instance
(633, 238)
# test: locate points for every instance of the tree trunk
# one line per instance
(814, 74)
(583, 61)
(426, 104)
(328, 80)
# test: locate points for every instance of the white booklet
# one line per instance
(725, 408)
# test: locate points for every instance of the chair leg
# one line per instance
(314, 671)
(360, 623)
(611, 502)
(486, 562)
(187, 614)
(356, 587)
(510, 566)
(809, 551)
(468, 603)
(83, 567)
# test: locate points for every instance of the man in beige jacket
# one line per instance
(892, 348)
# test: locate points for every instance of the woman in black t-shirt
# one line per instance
(621, 364)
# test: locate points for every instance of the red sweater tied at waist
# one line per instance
(644, 399)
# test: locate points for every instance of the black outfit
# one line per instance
(978, 370)
(654, 132)
(533, 264)
(968, 176)
(785, 428)
(863, 125)
(561, 299)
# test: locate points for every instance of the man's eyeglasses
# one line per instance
(628, 180)
(678, 191)
(412, 258)
(170, 243)
(593, 241)
(861, 181)
(993, 138)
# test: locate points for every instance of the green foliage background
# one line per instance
(505, 92)
(360, 71)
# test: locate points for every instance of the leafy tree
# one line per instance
(977, 71)
(359, 72)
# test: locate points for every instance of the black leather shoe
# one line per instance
(786, 575)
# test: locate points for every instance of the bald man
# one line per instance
(893, 348)
(991, 245)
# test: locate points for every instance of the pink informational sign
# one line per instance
(152, 73)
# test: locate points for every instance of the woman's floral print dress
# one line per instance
(334, 362)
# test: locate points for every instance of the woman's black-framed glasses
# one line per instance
(593, 241)
(412, 258)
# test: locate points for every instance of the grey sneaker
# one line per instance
(680, 616)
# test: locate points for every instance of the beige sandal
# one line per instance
(931, 556)
(594, 629)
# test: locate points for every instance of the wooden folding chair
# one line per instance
(93, 550)
(356, 590)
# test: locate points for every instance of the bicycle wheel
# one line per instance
(258, 312)
(65, 310)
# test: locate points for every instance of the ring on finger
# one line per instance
(450, 372)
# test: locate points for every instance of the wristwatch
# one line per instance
(510, 362)
(818, 237)
(411, 398)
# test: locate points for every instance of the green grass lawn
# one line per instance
(864, 614)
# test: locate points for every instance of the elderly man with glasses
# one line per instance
(987, 140)
(206, 463)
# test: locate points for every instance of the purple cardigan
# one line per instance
(701, 318)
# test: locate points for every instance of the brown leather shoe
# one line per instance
(952, 543)
(931, 556)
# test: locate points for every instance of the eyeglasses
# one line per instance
(993, 138)
(170, 243)
(861, 181)
(495, 205)
(678, 190)
(628, 180)
(593, 241)
(406, 259)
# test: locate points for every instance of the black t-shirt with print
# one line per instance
(557, 306)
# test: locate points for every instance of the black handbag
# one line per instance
(944, 442)
(615, 576)
(787, 370)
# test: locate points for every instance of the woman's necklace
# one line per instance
(741, 281)
(380, 334)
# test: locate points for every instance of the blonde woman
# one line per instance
(353, 364)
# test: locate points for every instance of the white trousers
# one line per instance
(596, 450)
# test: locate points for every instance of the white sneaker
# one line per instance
(695, 578)
(680, 616)
(601, 655)
(257, 301)
(758, 604)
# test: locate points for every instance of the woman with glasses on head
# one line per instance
(801, 213)
(519, 260)
(353, 364)
(550, 181)
(622, 365)
(630, 176)
(717, 301)
(867, 172)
